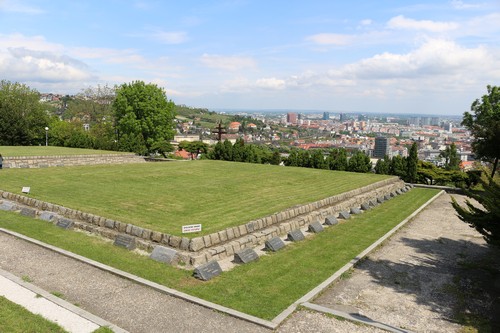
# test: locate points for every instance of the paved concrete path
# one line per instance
(413, 282)
(133, 307)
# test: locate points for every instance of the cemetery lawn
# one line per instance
(264, 288)
(165, 196)
(50, 151)
(16, 319)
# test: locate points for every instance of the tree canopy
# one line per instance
(22, 117)
(484, 124)
(144, 118)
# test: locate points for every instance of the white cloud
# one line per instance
(401, 22)
(231, 63)
(331, 39)
(457, 4)
(366, 22)
(18, 7)
(271, 83)
(170, 37)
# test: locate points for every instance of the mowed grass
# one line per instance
(264, 288)
(165, 196)
(10, 151)
(16, 319)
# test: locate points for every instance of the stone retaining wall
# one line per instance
(69, 160)
(224, 243)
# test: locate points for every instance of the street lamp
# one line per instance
(46, 136)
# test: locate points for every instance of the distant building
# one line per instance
(291, 118)
(425, 121)
(415, 121)
(448, 127)
(326, 115)
(381, 147)
(342, 117)
(435, 121)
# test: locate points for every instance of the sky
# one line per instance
(430, 57)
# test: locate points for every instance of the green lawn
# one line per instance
(165, 196)
(50, 151)
(263, 288)
(16, 319)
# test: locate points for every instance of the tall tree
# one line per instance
(359, 162)
(451, 158)
(337, 160)
(486, 220)
(484, 125)
(22, 118)
(411, 164)
(398, 167)
(382, 166)
(144, 118)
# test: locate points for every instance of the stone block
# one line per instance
(214, 238)
(136, 231)
(223, 235)
(184, 245)
(207, 241)
(355, 210)
(174, 241)
(365, 206)
(331, 220)
(196, 244)
(109, 224)
(230, 233)
(156, 236)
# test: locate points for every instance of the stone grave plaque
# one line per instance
(296, 235)
(373, 202)
(398, 192)
(125, 241)
(365, 206)
(380, 199)
(65, 223)
(7, 205)
(245, 256)
(315, 227)
(404, 190)
(393, 194)
(344, 215)
(387, 197)
(47, 216)
(331, 220)
(355, 210)
(275, 244)
(163, 254)
(207, 271)
(28, 212)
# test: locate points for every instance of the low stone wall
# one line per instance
(69, 160)
(224, 243)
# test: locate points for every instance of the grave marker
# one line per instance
(275, 244)
(365, 206)
(331, 220)
(344, 215)
(296, 235)
(64, 223)
(163, 254)
(245, 256)
(28, 212)
(373, 202)
(7, 205)
(355, 210)
(315, 227)
(380, 199)
(387, 197)
(125, 241)
(207, 271)
(47, 216)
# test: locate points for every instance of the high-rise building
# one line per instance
(435, 121)
(414, 121)
(381, 147)
(291, 118)
(326, 115)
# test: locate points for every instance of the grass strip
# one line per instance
(263, 288)
(165, 196)
(17, 151)
(16, 319)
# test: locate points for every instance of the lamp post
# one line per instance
(46, 136)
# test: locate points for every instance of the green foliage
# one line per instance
(194, 147)
(359, 162)
(398, 167)
(452, 160)
(484, 125)
(485, 219)
(144, 118)
(337, 160)
(318, 160)
(22, 117)
(411, 164)
(383, 166)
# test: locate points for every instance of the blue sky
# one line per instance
(359, 56)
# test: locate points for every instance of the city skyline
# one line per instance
(423, 57)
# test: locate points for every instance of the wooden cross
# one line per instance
(220, 131)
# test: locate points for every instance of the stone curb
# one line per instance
(354, 317)
(62, 303)
(141, 281)
(325, 284)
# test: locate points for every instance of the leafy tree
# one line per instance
(337, 160)
(318, 160)
(227, 151)
(359, 162)
(452, 161)
(216, 153)
(398, 167)
(304, 158)
(144, 118)
(411, 164)
(239, 150)
(293, 158)
(485, 219)
(275, 158)
(484, 126)
(194, 147)
(382, 166)
(22, 117)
